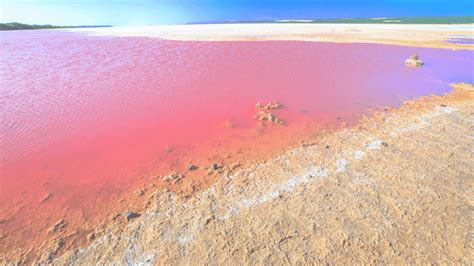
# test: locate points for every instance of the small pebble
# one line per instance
(140, 192)
(192, 167)
(217, 166)
(46, 197)
(58, 226)
(130, 215)
(91, 236)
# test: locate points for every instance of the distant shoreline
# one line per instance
(379, 20)
(22, 26)
(449, 20)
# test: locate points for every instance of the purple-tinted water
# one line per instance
(462, 41)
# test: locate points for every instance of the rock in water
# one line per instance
(414, 61)
(173, 177)
(216, 166)
(58, 226)
(192, 167)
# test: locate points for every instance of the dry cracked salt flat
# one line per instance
(397, 188)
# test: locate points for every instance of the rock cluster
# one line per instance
(173, 177)
(140, 191)
(266, 116)
(269, 106)
(414, 61)
(214, 168)
(58, 226)
(192, 167)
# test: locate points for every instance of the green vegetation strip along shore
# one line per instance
(382, 20)
(21, 26)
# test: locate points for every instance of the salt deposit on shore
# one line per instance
(435, 36)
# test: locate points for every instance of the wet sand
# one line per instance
(397, 188)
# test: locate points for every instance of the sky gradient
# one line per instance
(149, 12)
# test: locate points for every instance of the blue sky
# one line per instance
(147, 12)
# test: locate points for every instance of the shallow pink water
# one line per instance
(83, 113)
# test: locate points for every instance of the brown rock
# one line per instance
(173, 177)
(91, 236)
(273, 105)
(267, 116)
(129, 215)
(269, 106)
(217, 166)
(46, 197)
(58, 226)
(114, 217)
(192, 167)
(414, 61)
(140, 192)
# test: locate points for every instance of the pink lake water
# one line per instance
(83, 116)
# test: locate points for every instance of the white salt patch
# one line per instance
(374, 145)
(185, 239)
(358, 154)
(425, 119)
(341, 165)
(446, 109)
(288, 186)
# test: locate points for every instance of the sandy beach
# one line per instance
(433, 36)
(393, 188)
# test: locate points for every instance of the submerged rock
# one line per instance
(169, 149)
(267, 116)
(273, 105)
(230, 124)
(91, 236)
(414, 61)
(175, 177)
(140, 192)
(192, 167)
(46, 197)
(58, 226)
(269, 106)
